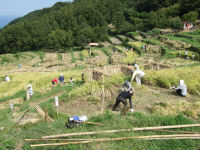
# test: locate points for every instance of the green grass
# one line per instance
(193, 41)
(167, 53)
(5, 59)
(107, 51)
(59, 55)
(73, 58)
(42, 55)
(152, 41)
(112, 121)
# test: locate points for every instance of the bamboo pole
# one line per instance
(28, 140)
(175, 138)
(90, 122)
(153, 137)
(122, 130)
(188, 132)
(85, 133)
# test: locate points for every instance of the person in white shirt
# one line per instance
(186, 54)
(138, 74)
(7, 79)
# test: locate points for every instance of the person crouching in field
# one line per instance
(7, 79)
(29, 92)
(55, 81)
(181, 89)
(138, 74)
(127, 93)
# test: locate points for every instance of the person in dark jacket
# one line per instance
(127, 93)
(61, 79)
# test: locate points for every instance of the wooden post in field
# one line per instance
(103, 96)
(11, 106)
(57, 104)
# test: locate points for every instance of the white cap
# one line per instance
(182, 82)
(61, 74)
(83, 118)
(29, 85)
(136, 66)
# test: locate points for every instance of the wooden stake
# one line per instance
(43, 114)
(122, 130)
(152, 137)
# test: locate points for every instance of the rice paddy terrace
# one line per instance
(154, 103)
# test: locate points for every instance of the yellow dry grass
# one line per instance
(171, 77)
(40, 81)
(177, 107)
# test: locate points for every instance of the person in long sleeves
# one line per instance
(61, 79)
(7, 79)
(29, 93)
(181, 89)
(138, 74)
(127, 93)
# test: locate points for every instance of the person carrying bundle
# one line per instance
(138, 74)
(127, 93)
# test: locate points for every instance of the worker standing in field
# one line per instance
(29, 93)
(186, 54)
(138, 74)
(127, 93)
(181, 89)
(61, 79)
(55, 81)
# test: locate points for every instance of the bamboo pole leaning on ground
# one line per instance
(152, 137)
(94, 123)
(187, 132)
(31, 140)
(122, 130)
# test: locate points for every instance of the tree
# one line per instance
(191, 16)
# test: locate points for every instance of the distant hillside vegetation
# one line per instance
(77, 23)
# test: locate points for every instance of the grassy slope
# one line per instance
(165, 114)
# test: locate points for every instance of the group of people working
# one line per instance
(127, 89)
(61, 80)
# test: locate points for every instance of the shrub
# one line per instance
(176, 23)
(190, 16)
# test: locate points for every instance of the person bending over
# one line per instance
(127, 93)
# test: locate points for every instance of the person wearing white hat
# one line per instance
(138, 74)
(61, 79)
(29, 93)
(7, 79)
(181, 89)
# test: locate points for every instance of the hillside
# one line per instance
(154, 103)
(67, 24)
